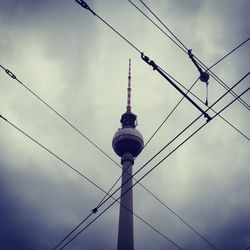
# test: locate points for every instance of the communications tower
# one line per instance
(127, 143)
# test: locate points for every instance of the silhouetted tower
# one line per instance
(127, 143)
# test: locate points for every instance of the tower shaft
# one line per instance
(126, 227)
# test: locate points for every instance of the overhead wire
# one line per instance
(229, 53)
(177, 147)
(13, 76)
(186, 128)
(115, 30)
(157, 198)
(138, 50)
(185, 49)
(86, 178)
(200, 100)
(163, 122)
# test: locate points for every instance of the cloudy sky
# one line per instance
(79, 66)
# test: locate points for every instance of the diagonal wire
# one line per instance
(185, 49)
(126, 40)
(190, 136)
(59, 115)
(88, 179)
(13, 76)
(229, 53)
(150, 138)
(152, 159)
(157, 198)
(187, 127)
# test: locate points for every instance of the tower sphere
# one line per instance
(127, 140)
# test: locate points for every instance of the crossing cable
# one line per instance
(86, 178)
(84, 5)
(185, 49)
(187, 127)
(13, 76)
(157, 198)
(153, 158)
(164, 204)
(199, 99)
(190, 136)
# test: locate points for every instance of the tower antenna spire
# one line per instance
(129, 88)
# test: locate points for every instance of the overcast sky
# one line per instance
(79, 66)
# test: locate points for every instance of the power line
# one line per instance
(196, 131)
(13, 76)
(163, 122)
(229, 53)
(156, 155)
(168, 116)
(86, 178)
(101, 202)
(9, 72)
(223, 84)
(84, 5)
(230, 124)
(187, 127)
(164, 26)
(224, 119)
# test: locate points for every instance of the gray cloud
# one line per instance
(69, 58)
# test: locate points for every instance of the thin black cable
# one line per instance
(199, 99)
(187, 127)
(167, 117)
(120, 36)
(66, 244)
(143, 13)
(196, 131)
(125, 39)
(100, 203)
(229, 53)
(69, 123)
(118, 33)
(13, 76)
(161, 151)
(54, 154)
(222, 83)
(103, 201)
(86, 178)
(164, 26)
(69, 234)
